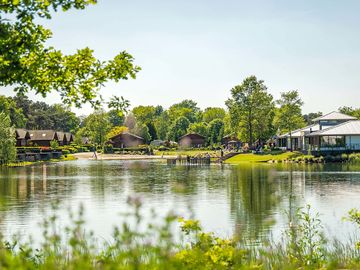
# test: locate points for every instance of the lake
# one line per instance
(251, 199)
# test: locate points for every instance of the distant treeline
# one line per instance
(251, 115)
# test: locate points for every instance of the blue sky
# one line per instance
(200, 49)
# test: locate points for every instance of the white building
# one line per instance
(310, 137)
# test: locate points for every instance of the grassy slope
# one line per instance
(261, 157)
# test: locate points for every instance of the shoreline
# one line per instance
(89, 156)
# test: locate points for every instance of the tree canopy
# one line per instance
(251, 110)
(29, 64)
(7, 140)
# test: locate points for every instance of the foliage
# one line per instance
(199, 128)
(143, 131)
(144, 114)
(96, 127)
(9, 107)
(308, 118)
(130, 121)
(212, 113)
(186, 108)
(119, 107)
(27, 62)
(215, 131)
(251, 110)
(40, 115)
(350, 111)
(116, 130)
(288, 117)
(7, 140)
(54, 144)
(306, 244)
(119, 104)
(178, 128)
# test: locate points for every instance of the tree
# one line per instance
(96, 127)
(215, 131)
(144, 114)
(130, 121)
(7, 140)
(162, 125)
(116, 118)
(251, 110)
(27, 62)
(311, 116)
(212, 113)
(288, 116)
(143, 131)
(10, 108)
(63, 118)
(199, 128)
(178, 128)
(116, 131)
(186, 108)
(350, 111)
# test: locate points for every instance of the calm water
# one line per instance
(248, 199)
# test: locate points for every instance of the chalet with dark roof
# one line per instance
(192, 140)
(125, 140)
(69, 137)
(22, 137)
(42, 137)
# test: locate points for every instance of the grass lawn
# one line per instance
(187, 152)
(241, 158)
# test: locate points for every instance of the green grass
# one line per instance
(243, 158)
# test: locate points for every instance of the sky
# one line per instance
(200, 49)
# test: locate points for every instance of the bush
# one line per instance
(65, 152)
(108, 149)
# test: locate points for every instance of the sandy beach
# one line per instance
(89, 155)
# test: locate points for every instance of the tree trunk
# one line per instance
(291, 144)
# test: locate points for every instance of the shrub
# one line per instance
(108, 148)
(65, 152)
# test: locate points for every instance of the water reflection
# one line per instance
(253, 200)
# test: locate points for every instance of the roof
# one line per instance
(299, 132)
(347, 128)
(42, 135)
(61, 135)
(21, 133)
(68, 136)
(129, 134)
(334, 116)
(192, 134)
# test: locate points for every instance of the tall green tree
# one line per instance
(251, 110)
(178, 128)
(144, 114)
(212, 113)
(199, 128)
(28, 63)
(289, 117)
(215, 131)
(96, 127)
(186, 108)
(143, 131)
(7, 140)
(10, 108)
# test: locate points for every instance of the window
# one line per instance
(333, 141)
